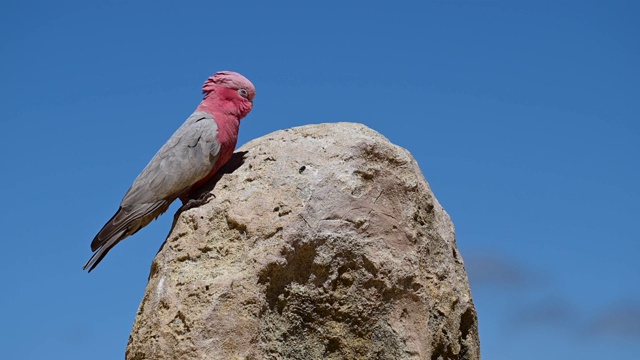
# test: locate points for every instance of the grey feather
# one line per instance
(187, 157)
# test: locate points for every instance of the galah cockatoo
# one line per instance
(193, 154)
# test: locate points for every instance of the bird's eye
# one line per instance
(243, 93)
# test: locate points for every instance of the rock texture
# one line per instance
(324, 242)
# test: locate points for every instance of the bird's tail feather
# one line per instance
(125, 222)
(130, 220)
(103, 250)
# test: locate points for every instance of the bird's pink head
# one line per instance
(234, 91)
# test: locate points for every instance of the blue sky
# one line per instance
(524, 117)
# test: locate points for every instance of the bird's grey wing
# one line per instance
(187, 157)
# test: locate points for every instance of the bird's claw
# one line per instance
(191, 203)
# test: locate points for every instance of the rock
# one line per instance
(325, 242)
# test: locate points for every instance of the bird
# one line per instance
(191, 156)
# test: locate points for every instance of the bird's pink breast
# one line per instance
(228, 127)
(227, 108)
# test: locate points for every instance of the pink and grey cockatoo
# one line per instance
(193, 154)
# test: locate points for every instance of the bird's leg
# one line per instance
(191, 203)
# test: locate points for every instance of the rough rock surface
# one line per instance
(324, 242)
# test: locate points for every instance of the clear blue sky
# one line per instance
(524, 117)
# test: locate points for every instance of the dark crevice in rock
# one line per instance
(467, 322)
(298, 268)
(443, 352)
